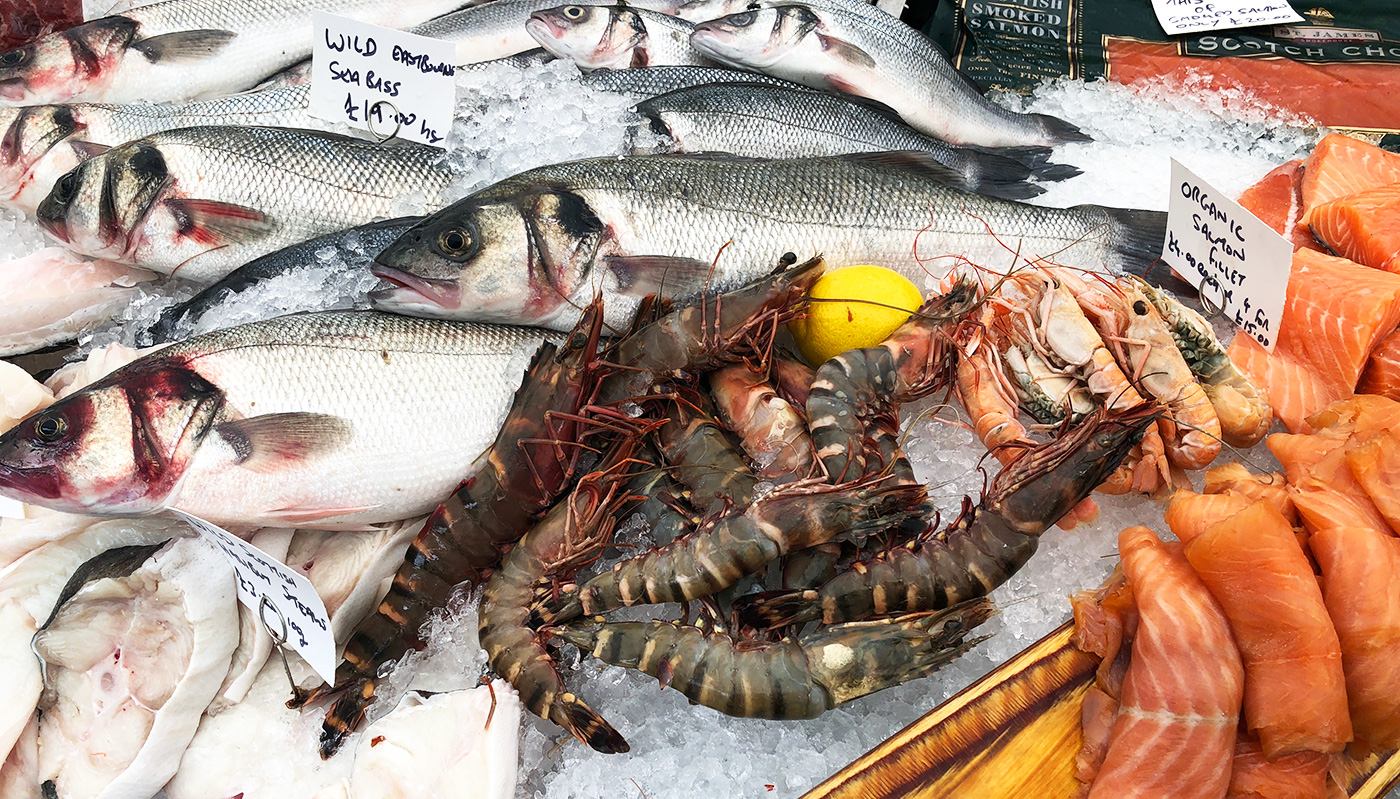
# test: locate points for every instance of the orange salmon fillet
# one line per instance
(1375, 465)
(1275, 199)
(1295, 696)
(1175, 731)
(1341, 165)
(1336, 312)
(1190, 514)
(1364, 227)
(1253, 776)
(1234, 478)
(1362, 414)
(1361, 585)
(1321, 481)
(1382, 375)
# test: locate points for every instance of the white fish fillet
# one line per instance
(351, 571)
(133, 662)
(20, 395)
(98, 364)
(53, 295)
(19, 773)
(254, 642)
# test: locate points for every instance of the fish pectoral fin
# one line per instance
(181, 46)
(663, 275)
(217, 223)
(846, 51)
(296, 516)
(88, 149)
(270, 442)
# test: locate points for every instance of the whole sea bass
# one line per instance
(760, 121)
(615, 37)
(496, 29)
(198, 202)
(534, 248)
(183, 49)
(40, 143)
(332, 420)
(848, 46)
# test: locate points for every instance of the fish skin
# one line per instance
(848, 46)
(759, 121)
(54, 139)
(583, 216)
(183, 49)
(614, 37)
(495, 30)
(354, 248)
(328, 420)
(647, 82)
(199, 202)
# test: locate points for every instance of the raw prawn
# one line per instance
(772, 431)
(788, 679)
(982, 549)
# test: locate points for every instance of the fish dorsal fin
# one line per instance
(88, 149)
(912, 161)
(846, 51)
(218, 223)
(183, 46)
(274, 441)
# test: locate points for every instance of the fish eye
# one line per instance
(1140, 308)
(454, 242)
(743, 19)
(14, 58)
(64, 188)
(51, 428)
(574, 12)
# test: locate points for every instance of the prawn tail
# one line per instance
(773, 609)
(587, 725)
(346, 715)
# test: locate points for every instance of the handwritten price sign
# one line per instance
(1238, 263)
(1193, 16)
(381, 80)
(262, 580)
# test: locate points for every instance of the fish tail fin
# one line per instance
(1137, 249)
(587, 725)
(1060, 131)
(1050, 173)
(995, 174)
(772, 609)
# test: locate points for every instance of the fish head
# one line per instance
(118, 447)
(594, 37)
(98, 207)
(517, 260)
(35, 151)
(755, 38)
(72, 64)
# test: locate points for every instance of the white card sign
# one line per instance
(264, 580)
(383, 81)
(1239, 264)
(11, 508)
(1194, 16)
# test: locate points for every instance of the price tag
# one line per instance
(1238, 263)
(1193, 16)
(278, 594)
(11, 508)
(387, 82)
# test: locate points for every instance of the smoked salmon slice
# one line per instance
(1295, 696)
(1361, 585)
(1375, 464)
(1341, 165)
(1321, 482)
(1175, 731)
(1190, 514)
(1335, 314)
(1234, 478)
(1276, 200)
(1254, 776)
(1382, 375)
(1364, 227)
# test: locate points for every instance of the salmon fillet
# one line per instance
(1382, 374)
(1253, 776)
(1364, 227)
(1295, 696)
(1361, 414)
(1234, 478)
(1341, 165)
(1175, 731)
(1375, 465)
(1361, 585)
(1321, 482)
(1276, 200)
(1190, 514)
(1335, 314)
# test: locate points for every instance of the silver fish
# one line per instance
(614, 37)
(851, 47)
(760, 121)
(496, 29)
(328, 420)
(199, 202)
(183, 49)
(643, 83)
(535, 247)
(41, 143)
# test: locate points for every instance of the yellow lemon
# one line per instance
(854, 307)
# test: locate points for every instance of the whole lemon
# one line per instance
(854, 307)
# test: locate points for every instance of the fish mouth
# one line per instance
(542, 26)
(13, 90)
(410, 289)
(26, 485)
